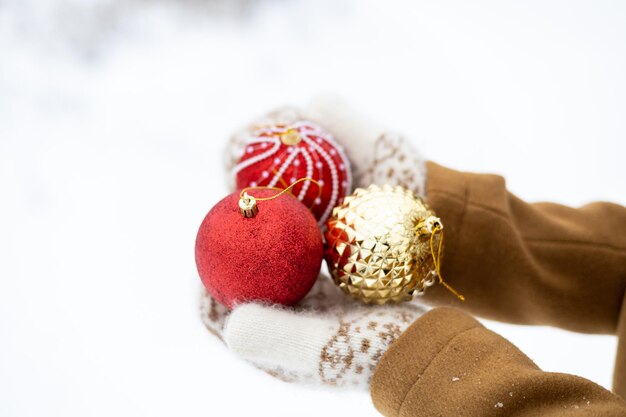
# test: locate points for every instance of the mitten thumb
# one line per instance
(377, 155)
(355, 132)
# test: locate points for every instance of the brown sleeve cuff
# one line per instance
(448, 364)
(406, 360)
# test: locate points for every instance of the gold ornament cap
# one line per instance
(247, 206)
(427, 226)
(290, 137)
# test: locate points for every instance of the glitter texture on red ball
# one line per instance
(280, 154)
(274, 256)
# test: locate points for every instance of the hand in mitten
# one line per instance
(377, 155)
(327, 339)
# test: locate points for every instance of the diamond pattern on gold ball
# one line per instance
(374, 250)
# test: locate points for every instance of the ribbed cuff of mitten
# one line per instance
(401, 368)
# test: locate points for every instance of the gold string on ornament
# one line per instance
(438, 228)
(247, 203)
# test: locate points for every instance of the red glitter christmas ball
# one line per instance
(280, 154)
(273, 257)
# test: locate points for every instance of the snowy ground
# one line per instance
(113, 116)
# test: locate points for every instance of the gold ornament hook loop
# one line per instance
(247, 203)
(437, 227)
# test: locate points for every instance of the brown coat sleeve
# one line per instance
(528, 263)
(531, 263)
(448, 364)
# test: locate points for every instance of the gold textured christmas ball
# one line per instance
(378, 244)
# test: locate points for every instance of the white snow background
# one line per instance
(113, 118)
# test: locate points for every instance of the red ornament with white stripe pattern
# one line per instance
(278, 155)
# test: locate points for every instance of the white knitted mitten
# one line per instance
(328, 339)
